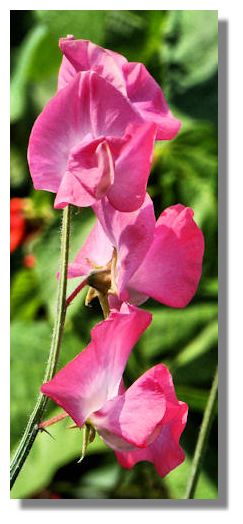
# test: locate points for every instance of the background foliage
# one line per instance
(180, 50)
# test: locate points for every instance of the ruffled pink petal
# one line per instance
(133, 419)
(132, 167)
(88, 108)
(97, 251)
(83, 55)
(90, 173)
(67, 73)
(147, 97)
(131, 78)
(131, 234)
(165, 452)
(94, 376)
(171, 271)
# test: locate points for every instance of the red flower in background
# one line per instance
(17, 223)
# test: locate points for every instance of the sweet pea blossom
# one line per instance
(131, 78)
(89, 142)
(143, 422)
(131, 256)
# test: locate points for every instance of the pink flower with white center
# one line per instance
(142, 423)
(132, 256)
(90, 142)
(131, 78)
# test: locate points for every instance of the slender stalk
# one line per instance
(32, 429)
(202, 440)
(75, 292)
(53, 420)
(104, 303)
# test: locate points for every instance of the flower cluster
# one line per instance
(92, 146)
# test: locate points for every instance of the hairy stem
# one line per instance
(32, 429)
(202, 440)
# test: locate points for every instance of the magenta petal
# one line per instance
(67, 73)
(97, 251)
(131, 234)
(71, 191)
(133, 168)
(147, 97)
(165, 452)
(94, 376)
(131, 79)
(171, 271)
(134, 417)
(90, 173)
(83, 55)
(72, 119)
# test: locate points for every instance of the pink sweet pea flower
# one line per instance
(146, 419)
(131, 78)
(143, 258)
(90, 142)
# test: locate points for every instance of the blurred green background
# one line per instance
(179, 48)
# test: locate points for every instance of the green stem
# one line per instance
(202, 439)
(31, 429)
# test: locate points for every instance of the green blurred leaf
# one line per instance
(200, 345)
(22, 69)
(30, 343)
(195, 398)
(191, 47)
(171, 329)
(176, 483)
(18, 172)
(86, 24)
(47, 455)
(24, 295)
(47, 252)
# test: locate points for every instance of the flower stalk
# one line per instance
(202, 439)
(32, 427)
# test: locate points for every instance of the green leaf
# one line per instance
(24, 295)
(191, 46)
(30, 343)
(22, 71)
(47, 455)
(47, 252)
(195, 398)
(86, 24)
(18, 171)
(176, 483)
(171, 329)
(200, 345)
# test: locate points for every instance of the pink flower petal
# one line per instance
(131, 78)
(133, 419)
(97, 251)
(171, 271)
(88, 108)
(165, 452)
(131, 234)
(83, 55)
(90, 173)
(67, 73)
(133, 168)
(94, 376)
(147, 97)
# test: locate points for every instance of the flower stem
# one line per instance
(202, 439)
(75, 292)
(32, 429)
